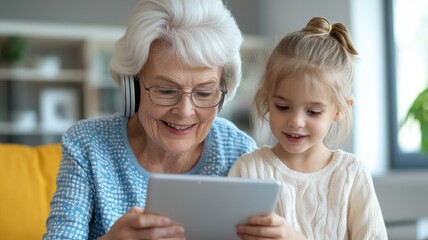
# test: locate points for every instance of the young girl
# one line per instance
(306, 95)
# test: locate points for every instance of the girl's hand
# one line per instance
(268, 227)
(135, 224)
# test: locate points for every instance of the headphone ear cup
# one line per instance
(128, 94)
(136, 94)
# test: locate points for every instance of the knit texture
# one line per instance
(337, 202)
(100, 179)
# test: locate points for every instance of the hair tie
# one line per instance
(329, 28)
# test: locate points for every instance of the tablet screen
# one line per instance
(210, 207)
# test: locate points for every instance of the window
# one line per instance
(407, 34)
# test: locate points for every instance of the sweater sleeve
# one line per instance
(365, 220)
(71, 206)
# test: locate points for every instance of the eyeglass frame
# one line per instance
(219, 103)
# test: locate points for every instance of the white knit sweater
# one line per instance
(337, 202)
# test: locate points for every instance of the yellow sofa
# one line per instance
(27, 183)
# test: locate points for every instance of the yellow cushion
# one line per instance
(27, 183)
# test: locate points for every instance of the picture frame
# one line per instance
(58, 108)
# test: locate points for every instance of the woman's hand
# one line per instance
(268, 227)
(135, 224)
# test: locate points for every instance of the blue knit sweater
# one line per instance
(100, 179)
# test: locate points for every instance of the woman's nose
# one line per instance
(185, 106)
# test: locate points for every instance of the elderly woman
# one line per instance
(178, 62)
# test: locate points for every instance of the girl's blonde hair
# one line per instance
(325, 55)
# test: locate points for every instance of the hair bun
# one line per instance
(320, 25)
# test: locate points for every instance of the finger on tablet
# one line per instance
(270, 220)
(168, 232)
(139, 219)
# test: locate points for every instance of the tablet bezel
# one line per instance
(210, 207)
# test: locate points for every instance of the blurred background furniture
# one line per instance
(403, 199)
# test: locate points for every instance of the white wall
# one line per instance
(107, 12)
(92, 12)
(282, 16)
(370, 135)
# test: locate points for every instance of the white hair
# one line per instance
(202, 33)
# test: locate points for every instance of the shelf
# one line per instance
(60, 31)
(29, 74)
(32, 129)
(62, 76)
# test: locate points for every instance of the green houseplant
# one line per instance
(419, 111)
(12, 49)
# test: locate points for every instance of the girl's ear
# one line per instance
(338, 116)
(350, 102)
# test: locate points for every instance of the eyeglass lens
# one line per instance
(200, 98)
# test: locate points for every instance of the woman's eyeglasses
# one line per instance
(200, 98)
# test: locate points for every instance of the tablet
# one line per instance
(209, 207)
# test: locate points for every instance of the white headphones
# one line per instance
(131, 95)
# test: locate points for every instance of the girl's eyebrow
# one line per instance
(318, 104)
(312, 103)
(280, 97)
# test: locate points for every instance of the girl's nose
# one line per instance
(297, 120)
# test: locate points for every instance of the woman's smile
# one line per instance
(179, 129)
